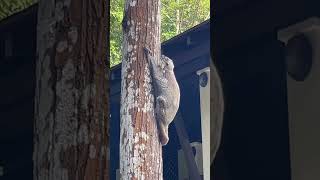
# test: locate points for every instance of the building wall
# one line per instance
(304, 119)
(17, 74)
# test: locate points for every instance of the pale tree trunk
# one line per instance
(178, 20)
(140, 148)
(71, 99)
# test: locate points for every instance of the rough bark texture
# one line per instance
(71, 102)
(216, 111)
(140, 148)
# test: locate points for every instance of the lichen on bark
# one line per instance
(71, 97)
(140, 149)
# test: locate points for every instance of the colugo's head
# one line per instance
(167, 62)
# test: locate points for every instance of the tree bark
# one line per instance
(140, 148)
(71, 99)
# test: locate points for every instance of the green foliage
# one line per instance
(9, 7)
(180, 15)
(116, 15)
(177, 16)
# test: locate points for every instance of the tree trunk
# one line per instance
(140, 148)
(178, 20)
(71, 100)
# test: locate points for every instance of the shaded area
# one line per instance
(255, 140)
(17, 79)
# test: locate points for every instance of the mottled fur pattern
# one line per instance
(166, 93)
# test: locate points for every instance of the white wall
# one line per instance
(304, 117)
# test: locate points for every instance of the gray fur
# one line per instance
(166, 93)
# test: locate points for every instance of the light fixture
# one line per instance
(298, 56)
